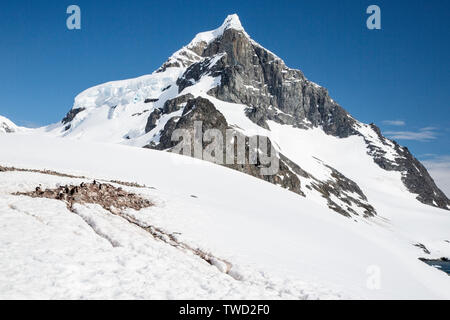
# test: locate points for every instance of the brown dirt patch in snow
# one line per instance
(108, 196)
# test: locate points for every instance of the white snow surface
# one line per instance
(288, 248)
(231, 22)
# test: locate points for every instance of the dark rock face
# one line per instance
(253, 76)
(176, 104)
(340, 186)
(414, 175)
(71, 115)
(152, 120)
(165, 141)
(418, 180)
(196, 109)
(170, 106)
(289, 175)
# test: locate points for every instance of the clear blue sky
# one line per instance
(401, 72)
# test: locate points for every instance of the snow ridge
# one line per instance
(7, 126)
(231, 22)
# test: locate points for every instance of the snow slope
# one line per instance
(289, 248)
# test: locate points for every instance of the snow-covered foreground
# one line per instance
(280, 245)
(48, 252)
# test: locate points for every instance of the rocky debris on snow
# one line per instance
(422, 246)
(166, 88)
(129, 184)
(49, 172)
(139, 113)
(59, 174)
(106, 195)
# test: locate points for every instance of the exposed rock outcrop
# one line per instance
(70, 116)
(289, 175)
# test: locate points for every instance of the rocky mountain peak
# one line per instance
(229, 38)
(254, 76)
(235, 83)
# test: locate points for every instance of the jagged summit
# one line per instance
(195, 50)
(231, 22)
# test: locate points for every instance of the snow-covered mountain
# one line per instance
(325, 154)
(7, 126)
(348, 213)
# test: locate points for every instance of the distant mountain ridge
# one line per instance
(7, 126)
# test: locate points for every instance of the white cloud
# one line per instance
(424, 134)
(397, 123)
(428, 129)
(439, 169)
